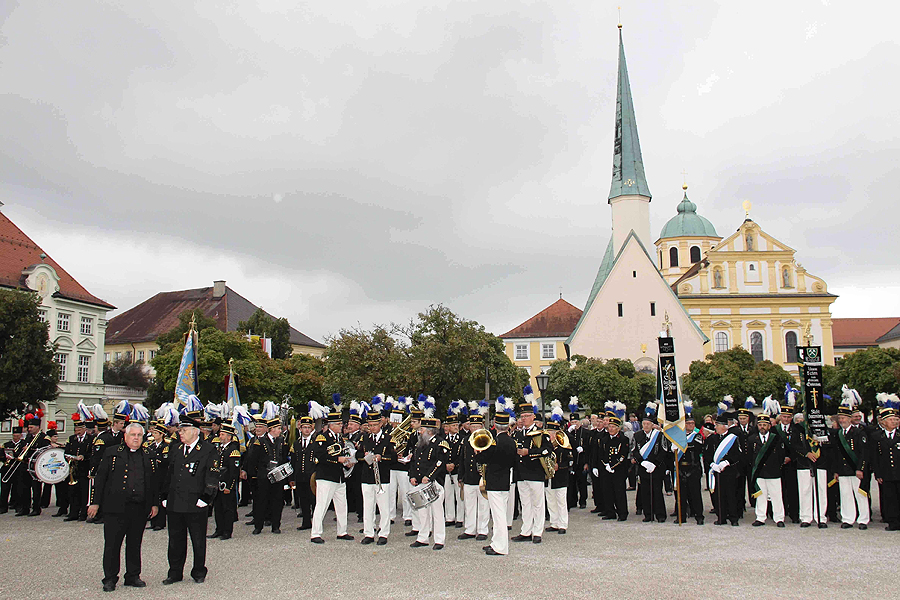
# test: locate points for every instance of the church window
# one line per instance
(756, 346)
(786, 277)
(673, 257)
(721, 341)
(749, 242)
(790, 345)
(660, 259)
(752, 267)
(521, 351)
(620, 309)
(695, 254)
(717, 278)
(653, 309)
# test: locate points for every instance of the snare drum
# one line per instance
(423, 494)
(280, 472)
(49, 465)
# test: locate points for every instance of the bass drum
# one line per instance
(49, 465)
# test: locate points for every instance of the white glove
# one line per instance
(723, 464)
(164, 503)
(715, 468)
(595, 472)
(649, 466)
(610, 469)
(201, 503)
(579, 449)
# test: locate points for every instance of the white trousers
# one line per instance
(432, 518)
(854, 504)
(478, 511)
(453, 502)
(558, 505)
(805, 489)
(498, 502)
(531, 494)
(399, 485)
(771, 492)
(511, 502)
(326, 492)
(371, 499)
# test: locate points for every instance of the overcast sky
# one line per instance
(344, 163)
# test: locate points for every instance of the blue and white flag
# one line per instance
(187, 384)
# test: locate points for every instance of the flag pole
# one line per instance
(678, 489)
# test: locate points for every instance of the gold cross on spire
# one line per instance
(684, 180)
(620, 17)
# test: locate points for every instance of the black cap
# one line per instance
(186, 421)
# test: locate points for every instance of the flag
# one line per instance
(672, 421)
(233, 398)
(187, 383)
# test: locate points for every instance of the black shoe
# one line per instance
(521, 538)
(622, 519)
(346, 537)
(561, 532)
(170, 580)
(22, 514)
(381, 541)
(491, 552)
(411, 533)
(823, 525)
(367, 540)
(257, 530)
(758, 523)
(795, 519)
(647, 519)
(480, 537)
(536, 539)
(735, 523)
(249, 523)
(200, 579)
(109, 586)
(700, 520)
(158, 528)
(551, 529)
(804, 524)
(608, 517)
(779, 524)
(661, 519)
(437, 547)
(582, 506)
(276, 530)
(214, 534)
(136, 582)
(67, 519)
(459, 524)
(225, 536)
(418, 544)
(35, 513)
(846, 526)
(465, 536)
(595, 510)
(304, 527)
(863, 526)
(893, 527)
(249, 515)
(449, 523)
(317, 540)
(59, 513)
(720, 522)
(407, 523)
(485, 548)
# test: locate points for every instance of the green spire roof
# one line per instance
(687, 223)
(628, 166)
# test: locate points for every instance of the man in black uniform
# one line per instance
(192, 481)
(225, 503)
(107, 438)
(428, 464)
(303, 461)
(886, 459)
(266, 453)
(532, 445)
(595, 438)
(789, 491)
(477, 510)
(743, 430)
(651, 457)
(766, 458)
(578, 482)
(354, 489)
(9, 491)
(159, 450)
(453, 501)
(29, 487)
(498, 459)
(330, 483)
(615, 461)
(374, 456)
(722, 452)
(849, 455)
(125, 486)
(690, 470)
(557, 490)
(79, 446)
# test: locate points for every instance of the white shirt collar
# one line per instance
(190, 448)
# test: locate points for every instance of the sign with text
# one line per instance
(811, 381)
(667, 379)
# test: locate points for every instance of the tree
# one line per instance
(305, 378)
(360, 364)
(279, 330)
(597, 382)
(868, 371)
(127, 373)
(734, 372)
(175, 336)
(28, 374)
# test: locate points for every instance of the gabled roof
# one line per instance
(18, 252)
(557, 320)
(606, 268)
(628, 165)
(159, 314)
(893, 334)
(863, 331)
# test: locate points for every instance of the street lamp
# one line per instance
(542, 380)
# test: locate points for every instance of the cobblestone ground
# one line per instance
(47, 558)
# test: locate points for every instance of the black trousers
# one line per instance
(9, 494)
(160, 519)
(268, 501)
(225, 511)
(597, 492)
(614, 489)
(126, 526)
(890, 507)
(607, 502)
(790, 494)
(578, 487)
(78, 498)
(653, 502)
(304, 496)
(29, 491)
(691, 497)
(725, 497)
(180, 524)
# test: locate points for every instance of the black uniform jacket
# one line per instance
(327, 466)
(382, 447)
(430, 461)
(773, 460)
(229, 465)
(304, 459)
(105, 439)
(192, 477)
(538, 446)
(886, 456)
(499, 460)
(264, 454)
(841, 462)
(111, 478)
(468, 467)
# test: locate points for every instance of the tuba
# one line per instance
(400, 434)
(548, 463)
(480, 440)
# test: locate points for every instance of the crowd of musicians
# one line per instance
(480, 472)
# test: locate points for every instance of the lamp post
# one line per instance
(542, 380)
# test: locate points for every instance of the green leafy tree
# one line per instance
(304, 379)
(596, 382)
(27, 372)
(868, 371)
(279, 330)
(127, 373)
(734, 372)
(175, 336)
(361, 363)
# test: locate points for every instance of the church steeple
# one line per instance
(628, 167)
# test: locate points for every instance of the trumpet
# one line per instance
(71, 459)
(482, 440)
(561, 439)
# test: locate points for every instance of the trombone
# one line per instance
(21, 458)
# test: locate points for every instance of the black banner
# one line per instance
(811, 382)
(667, 379)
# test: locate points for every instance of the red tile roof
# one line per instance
(159, 314)
(557, 320)
(861, 332)
(18, 252)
